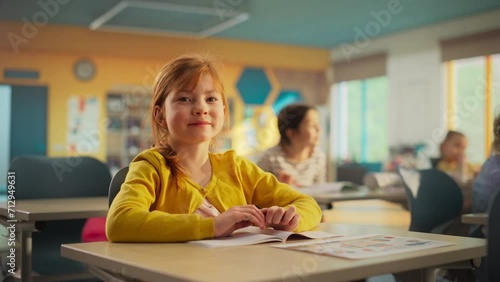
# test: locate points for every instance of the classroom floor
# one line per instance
(369, 212)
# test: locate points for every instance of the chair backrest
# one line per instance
(493, 260)
(434, 162)
(434, 198)
(116, 184)
(40, 177)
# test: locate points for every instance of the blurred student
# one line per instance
(297, 159)
(488, 181)
(178, 190)
(454, 163)
(453, 160)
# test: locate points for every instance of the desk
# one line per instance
(185, 262)
(27, 212)
(392, 195)
(475, 218)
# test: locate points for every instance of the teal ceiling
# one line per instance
(314, 23)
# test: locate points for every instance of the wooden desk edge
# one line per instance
(475, 218)
(407, 264)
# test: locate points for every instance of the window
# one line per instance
(473, 102)
(361, 120)
(495, 85)
(469, 104)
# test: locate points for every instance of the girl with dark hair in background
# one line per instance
(297, 159)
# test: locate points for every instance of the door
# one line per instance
(28, 127)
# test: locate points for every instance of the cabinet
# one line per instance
(128, 130)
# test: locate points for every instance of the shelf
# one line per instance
(129, 129)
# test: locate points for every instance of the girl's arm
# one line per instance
(266, 191)
(132, 217)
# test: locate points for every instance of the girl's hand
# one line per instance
(280, 218)
(238, 217)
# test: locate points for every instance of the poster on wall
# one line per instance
(83, 125)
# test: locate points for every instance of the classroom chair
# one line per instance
(493, 259)
(434, 162)
(40, 177)
(94, 229)
(434, 199)
(372, 166)
(116, 184)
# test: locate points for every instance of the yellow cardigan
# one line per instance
(147, 209)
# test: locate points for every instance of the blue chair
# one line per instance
(493, 259)
(434, 198)
(116, 184)
(40, 177)
(435, 202)
(372, 167)
(434, 162)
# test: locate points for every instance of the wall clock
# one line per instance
(84, 69)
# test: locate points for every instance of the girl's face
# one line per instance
(194, 115)
(307, 134)
(454, 149)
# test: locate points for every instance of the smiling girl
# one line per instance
(178, 190)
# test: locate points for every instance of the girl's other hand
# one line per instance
(280, 218)
(238, 217)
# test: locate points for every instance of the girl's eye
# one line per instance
(212, 99)
(184, 99)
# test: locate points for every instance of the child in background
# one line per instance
(297, 159)
(454, 163)
(178, 190)
(488, 180)
(453, 160)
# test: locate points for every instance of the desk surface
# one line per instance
(475, 218)
(57, 209)
(185, 262)
(394, 195)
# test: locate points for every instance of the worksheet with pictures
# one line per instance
(365, 246)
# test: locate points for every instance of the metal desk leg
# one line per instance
(26, 256)
(429, 274)
(421, 275)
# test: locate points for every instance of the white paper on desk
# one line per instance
(253, 235)
(329, 187)
(365, 246)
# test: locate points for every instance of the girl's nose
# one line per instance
(200, 109)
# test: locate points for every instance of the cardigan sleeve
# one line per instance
(131, 218)
(264, 190)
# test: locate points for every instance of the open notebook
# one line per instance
(366, 246)
(253, 235)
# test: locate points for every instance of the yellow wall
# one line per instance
(76, 40)
(127, 60)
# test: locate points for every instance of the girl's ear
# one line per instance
(289, 133)
(159, 118)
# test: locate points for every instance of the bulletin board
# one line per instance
(83, 125)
